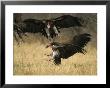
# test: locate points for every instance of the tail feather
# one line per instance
(81, 40)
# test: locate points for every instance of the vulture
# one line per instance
(49, 28)
(65, 50)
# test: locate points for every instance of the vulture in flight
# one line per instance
(48, 28)
(64, 51)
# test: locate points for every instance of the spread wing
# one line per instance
(67, 21)
(33, 25)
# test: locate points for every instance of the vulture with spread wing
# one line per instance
(66, 50)
(48, 28)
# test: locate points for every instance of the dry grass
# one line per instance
(30, 59)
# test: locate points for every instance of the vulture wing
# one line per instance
(33, 25)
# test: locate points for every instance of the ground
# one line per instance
(30, 57)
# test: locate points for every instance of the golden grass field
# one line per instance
(30, 59)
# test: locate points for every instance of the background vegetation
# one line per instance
(30, 57)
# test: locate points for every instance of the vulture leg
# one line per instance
(55, 30)
(56, 57)
(57, 61)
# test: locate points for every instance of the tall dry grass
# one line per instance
(30, 58)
